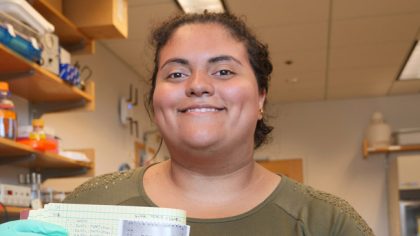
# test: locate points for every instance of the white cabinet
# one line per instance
(403, 179)
(408, 172)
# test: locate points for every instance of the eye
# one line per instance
(176, 75)
(224, 73)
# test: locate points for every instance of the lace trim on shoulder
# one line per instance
(341, 204)
(102, 181)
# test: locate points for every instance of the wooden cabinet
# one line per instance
(291, 168)
(71, 38)
(45, 92)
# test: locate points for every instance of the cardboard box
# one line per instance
(99, 19)
(56, 4)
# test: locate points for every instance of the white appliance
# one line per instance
(15, 195)
(23, 11)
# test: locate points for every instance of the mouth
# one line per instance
(201, 109)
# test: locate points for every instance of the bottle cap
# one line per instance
(37, 122)
(4, 86)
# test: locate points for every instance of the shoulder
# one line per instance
(111, 188)
(320, 211)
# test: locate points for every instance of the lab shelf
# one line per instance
(22, 155)
(391, 149)
(15, 211)
(30, 81)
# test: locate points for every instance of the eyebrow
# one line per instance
(175, 60)
(211, 60)
(223, 58)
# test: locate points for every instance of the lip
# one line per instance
(201, 108)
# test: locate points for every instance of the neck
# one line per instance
(204, 195)
(191, 182)
(211, 161)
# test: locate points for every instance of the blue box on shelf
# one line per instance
(19, 44)
(4, 35)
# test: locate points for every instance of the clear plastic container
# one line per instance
(8, 121)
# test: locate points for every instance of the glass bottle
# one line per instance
(8, 121)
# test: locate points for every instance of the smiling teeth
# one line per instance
(202, 110)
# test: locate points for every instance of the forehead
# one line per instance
(202, 38)
(208, 28)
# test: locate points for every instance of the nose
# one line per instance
(199, 84)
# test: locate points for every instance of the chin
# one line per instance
(201, 142)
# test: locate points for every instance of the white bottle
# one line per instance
(379, 132)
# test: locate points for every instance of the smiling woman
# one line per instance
(208, 91)
(206, 94)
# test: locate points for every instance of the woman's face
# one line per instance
(206, 94)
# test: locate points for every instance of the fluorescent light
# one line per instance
(411, 69)
(198, 6)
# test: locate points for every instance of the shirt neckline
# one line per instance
(283, 182)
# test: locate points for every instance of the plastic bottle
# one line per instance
(37, 130)
(378, 132)
(8, 121)
(38, 139)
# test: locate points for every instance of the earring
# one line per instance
(261, 113)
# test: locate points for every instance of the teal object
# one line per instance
(4, 35)
(20, 45)
(31, 228)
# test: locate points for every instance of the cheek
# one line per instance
(244, 95)
(164, 99)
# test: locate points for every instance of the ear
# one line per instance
(261, 101)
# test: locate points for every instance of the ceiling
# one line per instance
(339, 49)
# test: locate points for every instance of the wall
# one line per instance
(328, 136)
(101, 129)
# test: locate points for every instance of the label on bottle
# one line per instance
(7, 114)
(8, 124)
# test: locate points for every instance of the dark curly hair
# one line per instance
(257, 53)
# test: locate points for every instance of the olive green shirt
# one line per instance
(292, 209)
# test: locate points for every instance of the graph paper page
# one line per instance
(102, 220)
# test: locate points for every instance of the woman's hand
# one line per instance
(31, 228)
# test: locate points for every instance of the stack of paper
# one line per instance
(103, 220)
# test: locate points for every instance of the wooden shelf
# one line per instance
(30, 81)
(46, 92)
(71, 38)
(393, 148)
(12, 210)
(25, 156)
